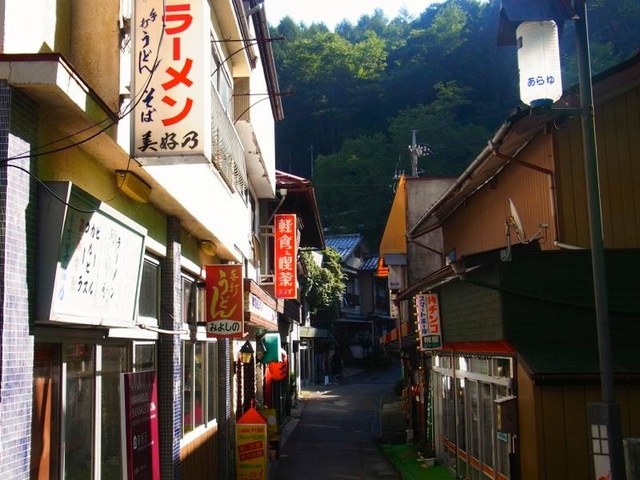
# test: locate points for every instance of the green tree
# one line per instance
(354, 187)
(322, 285)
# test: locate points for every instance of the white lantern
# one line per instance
(539, 63)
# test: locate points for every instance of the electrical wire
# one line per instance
(163, 331)
(122, 114)
(62, 200)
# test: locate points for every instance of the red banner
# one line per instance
(286, 256)
(225, 301)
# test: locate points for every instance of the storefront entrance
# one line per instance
(76, 433)
(465, 390)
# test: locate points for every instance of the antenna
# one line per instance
(515, 222)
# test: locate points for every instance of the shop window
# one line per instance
(199, 400)
(487, 415)
(78, 418)
(198, 360)
(192, 302)
(149, 300)
(212, 390)
(501, 367)
(502, 440)
(479, 365)
(144, 357)
(45, 426)
(114, 363)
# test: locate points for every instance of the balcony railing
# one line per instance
(227, 154)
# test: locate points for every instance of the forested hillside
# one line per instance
(353, 96)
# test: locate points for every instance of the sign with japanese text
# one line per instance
(91, 260)
(286, 255)
(140, 438)
(225, 301)
(382, 270)
(428, 318)
(251, 446)
(171, 90)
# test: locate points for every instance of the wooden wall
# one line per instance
(198, 457)
(479, 224)
(618, 140)
(553, 426)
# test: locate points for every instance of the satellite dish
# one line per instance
(515, 222)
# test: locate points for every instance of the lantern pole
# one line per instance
(607, 412)
(604, 417)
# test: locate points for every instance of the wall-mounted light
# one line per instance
(246, 352)
(208, 248)
(133, 186)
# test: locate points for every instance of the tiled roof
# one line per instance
(370, 264)
(344, 244)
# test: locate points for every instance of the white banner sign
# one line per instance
(171, 89)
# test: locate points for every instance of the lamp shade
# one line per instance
(539, 62)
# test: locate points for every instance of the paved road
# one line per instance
(334, 437)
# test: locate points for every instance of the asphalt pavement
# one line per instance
(332, 432)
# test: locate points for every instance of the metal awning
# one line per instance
(312, 332)
(394, 238)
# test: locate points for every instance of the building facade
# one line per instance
(134, 155)
(507, 391)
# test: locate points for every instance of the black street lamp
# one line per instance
(520, 20)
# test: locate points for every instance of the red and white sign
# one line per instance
(428, 317)
(286, 255)
(225, 301)
(171, 90)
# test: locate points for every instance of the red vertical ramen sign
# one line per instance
(225, 301)
(286, 256)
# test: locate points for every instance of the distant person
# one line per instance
(337, 367)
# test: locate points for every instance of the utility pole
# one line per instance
(414, 154)
(416, 151)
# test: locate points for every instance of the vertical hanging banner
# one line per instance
(428, 318)
(286, 256)
(420, 302)
(225, 301)
(171, 90)
(140, 437)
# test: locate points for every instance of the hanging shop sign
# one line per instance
(140, 438)
(259, 307)
(172, 90)
(286, 256)
(90, 259)
(225, 301)
(251, 446)
(428, 318)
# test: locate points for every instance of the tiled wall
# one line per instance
(17, 241)
(169, 358)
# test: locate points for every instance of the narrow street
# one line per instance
(335, 435)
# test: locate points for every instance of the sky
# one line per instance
(332, 12)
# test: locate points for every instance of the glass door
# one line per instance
(79, 414)
(45, 423)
